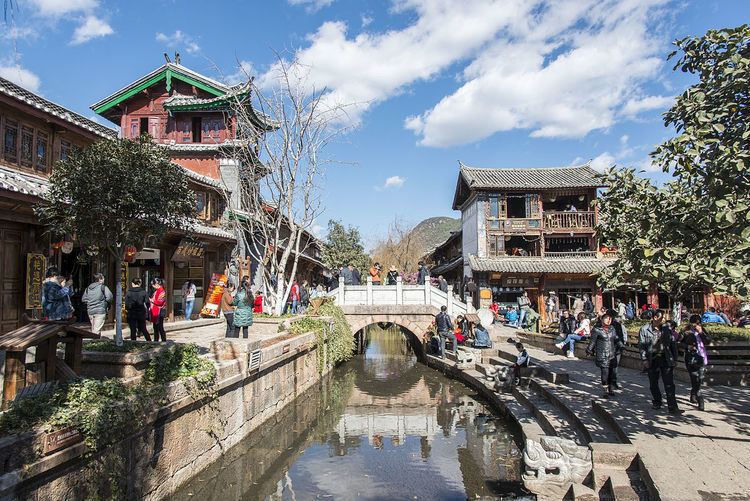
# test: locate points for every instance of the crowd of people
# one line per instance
(352, 275)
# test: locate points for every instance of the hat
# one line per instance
(393, 268)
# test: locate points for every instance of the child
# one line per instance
(521, 361)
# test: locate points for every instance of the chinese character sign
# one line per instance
(213, 298)
(35, 267)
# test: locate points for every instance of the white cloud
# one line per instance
(92, 27)
(179, 39)
(366, 20)
(21, 76)
(244, 72)
(20, 33)
(56, 8)
(394, 182)
(624, 140)
(603, 162)
(635, 106)
(311, 5)
(317, 230)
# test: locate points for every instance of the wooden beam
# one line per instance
(15, 375)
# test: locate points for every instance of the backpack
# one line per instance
(482, 339)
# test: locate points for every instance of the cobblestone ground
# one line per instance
(698, 455)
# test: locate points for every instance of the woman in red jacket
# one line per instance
(258, 303)
(158, 309)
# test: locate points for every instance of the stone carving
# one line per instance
(503, 378)
(554, 461)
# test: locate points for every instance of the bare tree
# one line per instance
(399, 248)
(281, 131)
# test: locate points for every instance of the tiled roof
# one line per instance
(580, 176)
(20, 182)
(10, 89)
(445, 267)
(233, 143)
(539, 265)
(211, 231)
(201, 178)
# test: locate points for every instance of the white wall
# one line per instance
(472, 219)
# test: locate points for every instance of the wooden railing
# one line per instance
(569, 220)
(570, 255)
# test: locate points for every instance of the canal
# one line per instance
(382, 426)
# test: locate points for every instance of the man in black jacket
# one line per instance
(658, 355)
(444, 328)
(135, 304)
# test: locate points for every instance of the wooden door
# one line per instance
(11, 276)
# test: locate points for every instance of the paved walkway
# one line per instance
(698, 455)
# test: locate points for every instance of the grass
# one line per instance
(108, 346)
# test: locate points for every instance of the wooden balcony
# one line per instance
(570, 255)
(569, 220)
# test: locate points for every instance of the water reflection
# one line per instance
(382, 427)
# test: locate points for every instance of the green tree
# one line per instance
(695, 229)
(117, 193)
(344, 246)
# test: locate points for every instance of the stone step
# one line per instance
(579, 492)
(552, 421)
(536, 368)
(619, 485)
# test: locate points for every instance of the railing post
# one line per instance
(399, 290)
(341, 294)
(427, 291)
(449, 296)
(369, 290)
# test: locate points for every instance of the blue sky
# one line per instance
(493, 83)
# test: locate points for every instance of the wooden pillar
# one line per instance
(73, 354)
(47, 353)
(165, 255)
(598, 299)
(541, 304)
(15, 375)
(653, 295)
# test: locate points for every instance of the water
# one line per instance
(383, 426)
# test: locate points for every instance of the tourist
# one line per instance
(375, 273)
(445, 330)
(581, 332)
(158, 309)
(588, 305)
(711, 317)
(136, 304)
(553, 304)
(442, 284)
(97, 298)
(604, 344)
(356, 277)
(304, 296)
(565, 328)
(630, 310)
(511, 315)
(56, 292)
(392, 276)
(189, 290)
(524, 305)
(243, 312)
(422, 274)
(481, 337)
(346, 274)
(294, 297)
(658, 355)
(571, 208)
(258, 303)
(522, 360)
(470, 290)
(724, 316)
(622, 334)
(227, 308)
(495, 309)
(577, 306)
(744, 321)
(622, 311)
(696, 358)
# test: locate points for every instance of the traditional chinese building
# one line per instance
(447, 259)
(532, 230)
(35, 134)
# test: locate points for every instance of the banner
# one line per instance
(36, 265)
(213, 297)
(188, 250)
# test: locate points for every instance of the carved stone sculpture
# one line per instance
(554, 462)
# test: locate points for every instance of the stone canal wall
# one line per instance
(183, 437)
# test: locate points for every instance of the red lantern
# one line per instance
(130, 252)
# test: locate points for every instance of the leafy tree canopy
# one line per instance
(695, 229)
(344, 246)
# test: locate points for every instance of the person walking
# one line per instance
(553, 306)
(189, 290)
(444, 327)
(56, 292)
(622, 334)
(422, 274)
(243, 311)
(304, 296)
(227, 308)
(158, 309)
(375, 273)
(356, 277)
(136, 305)
(524, 303)
(470, 290)
(442, 284)
(604, 345)
(622, 311)
(658, 355)
(97, 299)
(346, 272)
(696, 358)
(392, 276)
(588, 306)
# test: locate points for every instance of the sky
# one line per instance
(490, 83)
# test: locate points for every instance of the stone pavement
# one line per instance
(695, 456)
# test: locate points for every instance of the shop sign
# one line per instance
(189, 249)
(35, 268)
(521, 282)
(124, 272)
(213, 298)
(147, 253)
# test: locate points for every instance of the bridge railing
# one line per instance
(399, 294)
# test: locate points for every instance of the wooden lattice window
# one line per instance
(10, 141)
(41, 151)
(532, 210)
(27, 146)
(495, 245)
(65, 149)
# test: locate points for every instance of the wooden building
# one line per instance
(447, 260)
(35, 134)
(532, 230)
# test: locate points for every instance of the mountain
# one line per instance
(433, 231)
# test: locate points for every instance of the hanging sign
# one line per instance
(213, 298)
(35, 267)
(189, 249)
(521, 281)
